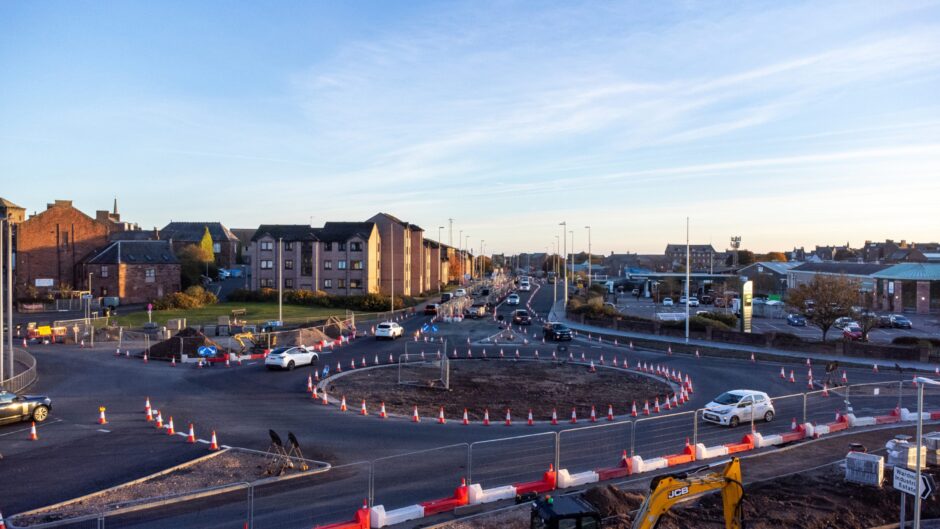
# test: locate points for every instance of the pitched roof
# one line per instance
(857, 269)
(778, 267)
(672, 248)
(135, 252)
(397, 220)
(911, 272)
(288, 232)
(343, 231)
(133, 235)
(244, 234)
(7, 204)
(192, 231)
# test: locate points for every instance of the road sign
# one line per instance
(206, 350)
(86, 296)
(906, 481)
(149, 307)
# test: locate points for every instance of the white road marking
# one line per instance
(102, 430)
(203, 441)
(40, 425)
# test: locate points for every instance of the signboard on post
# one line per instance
(206, 351)
(747, 309)
(905, 480)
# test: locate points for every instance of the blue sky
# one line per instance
(787, 123)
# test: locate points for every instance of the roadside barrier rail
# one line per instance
(24, 378)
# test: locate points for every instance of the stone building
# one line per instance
(134, 271)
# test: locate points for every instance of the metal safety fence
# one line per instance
(25, 375)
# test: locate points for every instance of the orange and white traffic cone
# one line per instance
(169, 427)
(792, 378)
(191, 436)
(656, 406)
(342, 403)
(646, 408)
(213, 443)
(592, 369)
(696, 354)
(486, 417)
(633, 410)
(874, 368)
(793, 425)
(159, 424)
(101, 417)
(669, 350)
(440, 416)
(314, 394)
(752, 358)
(666, 405)
(601, 360)
(147, 410)
(146, 358)
(530, 421)
(362, 410)
(414, 415)
(783, 374)
(326, 399)
(593, 414)
(227, 363)
(309, 383)
(33, 436)
(631, 344)
(845, 377)
(675, 401)
(382, 414)
(554, 417)
(610, 412)
(574, 416)
(466, 418)
(508, 418)
(3, 525)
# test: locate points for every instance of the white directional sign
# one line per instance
(906, 481)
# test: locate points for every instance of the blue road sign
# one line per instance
(206, 350)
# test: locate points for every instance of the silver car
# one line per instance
(740, 405)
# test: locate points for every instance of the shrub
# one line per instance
(191, 298)
(728, 319)
(916, 341)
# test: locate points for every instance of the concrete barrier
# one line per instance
(479, 495)
(461, 497)
(687, 456)
(624, 469)
(656, 463)
(380, 518)
(363, 520)
(769, 440)
(566, 480)
(703, 452)
(545, 484)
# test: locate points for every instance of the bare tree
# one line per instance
(824, 300)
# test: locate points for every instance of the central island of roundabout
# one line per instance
(508, 388)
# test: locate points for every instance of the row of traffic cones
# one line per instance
(155, 416)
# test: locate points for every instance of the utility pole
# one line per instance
(280, 280)
(590, 266)
(460, 269)
(466, 247)
(688, 277)
(480, 258)
(571, 232)
(391, 239)
(9, 295)
(555, 268)
(564, 225)
(3, 223)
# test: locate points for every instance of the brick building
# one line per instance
(224, 242)
(134, 271)
(701, 256)
(401, 255)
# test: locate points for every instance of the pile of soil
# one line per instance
(500, 384)
(191, 340)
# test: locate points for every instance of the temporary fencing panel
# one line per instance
(786, 409)
(406, 479)
(593, 447)
(664, 435)
(317, 499)
(190, 510)
(501, 462)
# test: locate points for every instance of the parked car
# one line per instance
(884, 321)
(556, 331)
(223, 273)
(667, 302)
(707, 300)
(431, 309)
(693, 302)
(389, 329)
(290, 357)
(901, 322)
(446, 296)
(15, 408)
(521, 317)
(512, 299)
(720, 303)
(843, 322)
(796, 320)
(740, 405)
(460, 292)
(852, 332)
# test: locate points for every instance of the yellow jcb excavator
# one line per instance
(668, 490)
(248, 342)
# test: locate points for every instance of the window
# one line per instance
(104, 271)
(150, 275)
(327, 283)
(288, 264)
(355, 246)
(288, 283)
(355, 265)
(355, 283)
(216, 247)
(342, 246)
(340, 283)
(306, 259)
(267, 264)
(289, 246)
(267, 246)
(104, 292)
(327, 247)
(267, 283)
(327, 265)
(65, 239)
(341, 264)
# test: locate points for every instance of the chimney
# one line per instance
(156, 234)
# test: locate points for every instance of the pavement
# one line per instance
(75, 456)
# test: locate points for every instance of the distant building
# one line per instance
(701, 256)
(134, 271)
(862, 272)
(183, 234)
(908, 286)
(12, 212)
(769, 277)
(244, 236)
(353, 251)
(402, 262)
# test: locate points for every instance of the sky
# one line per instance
(785, 123)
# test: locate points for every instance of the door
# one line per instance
(10, 409)
(746, 408)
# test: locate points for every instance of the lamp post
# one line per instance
(920, 432)
(564, 225)
(590, 266)
(280, 281)
(480, 259)
(3, 223)
(466, 247)
(688, 278)
(460, 256)
(571, 232)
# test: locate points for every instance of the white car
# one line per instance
(460, 292)
(734, 407)
(390, 330)
(290, 357)
(513, 299)
(667, 302)
(693, 302)
(525, 287)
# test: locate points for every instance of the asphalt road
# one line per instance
(75, 456)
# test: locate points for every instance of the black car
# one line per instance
(556, 331)
(901, 322)
(796, 320)
(16, 408)
(521, 317)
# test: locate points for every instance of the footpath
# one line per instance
(558, 314)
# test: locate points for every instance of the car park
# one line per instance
(521, 317)
(290, 357)
(796, 320)
(431, 309)
(389, 329)
(901, 322)
(852, 332)
(667, 302)
(16, 408)
(556, 331)
(512, 299)
(740, 405)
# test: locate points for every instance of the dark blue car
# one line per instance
(796, 320)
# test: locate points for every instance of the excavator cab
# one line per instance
(670, 489)
(564, 512)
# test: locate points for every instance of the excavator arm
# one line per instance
(666, 491)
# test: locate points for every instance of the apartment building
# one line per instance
(402, 262)
(296, 257)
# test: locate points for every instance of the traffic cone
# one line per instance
(146, 358)
(809, 374)
(147, 408)
(696, 354)
(610, 412)
(362, 410)
(602, 360)
(669, 350)
(554, 417)
(792, 378)
(101, 417)
(309, 383)
(508, 418)
(214, 443)
(339, 367)
(809, 384)
(199, 364)
(391, 360)
(414, 415)
(316, 375)
(466, 418)
(352, 363)
(631, 344)
(633, 410)
(614, 363)
(593, 414)
(530, 421)
(752, 358)
(159, 424)
(574, 416)
(169, 427)
(845, 378)
(33, 436)
(646, 408)
(875, 368)
(793, 425)
(825, 392)
(326, 399)
(914, 381)
(227, 363)
(656, 406)
(666, 405)
(783, 374)
(172, 361)
(342, 403)
(486, 417)
(582, 357)
(675, 401)
(592, 369)
(191, 436)
(382, 414)
(440, 416)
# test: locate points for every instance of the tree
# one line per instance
(206, 246)
(824, 300)
(745, 257)
(193, 263)
(772, 257)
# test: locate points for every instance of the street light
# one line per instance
(920, 432)
(590, 266)
(564, 225)
(573, 278)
